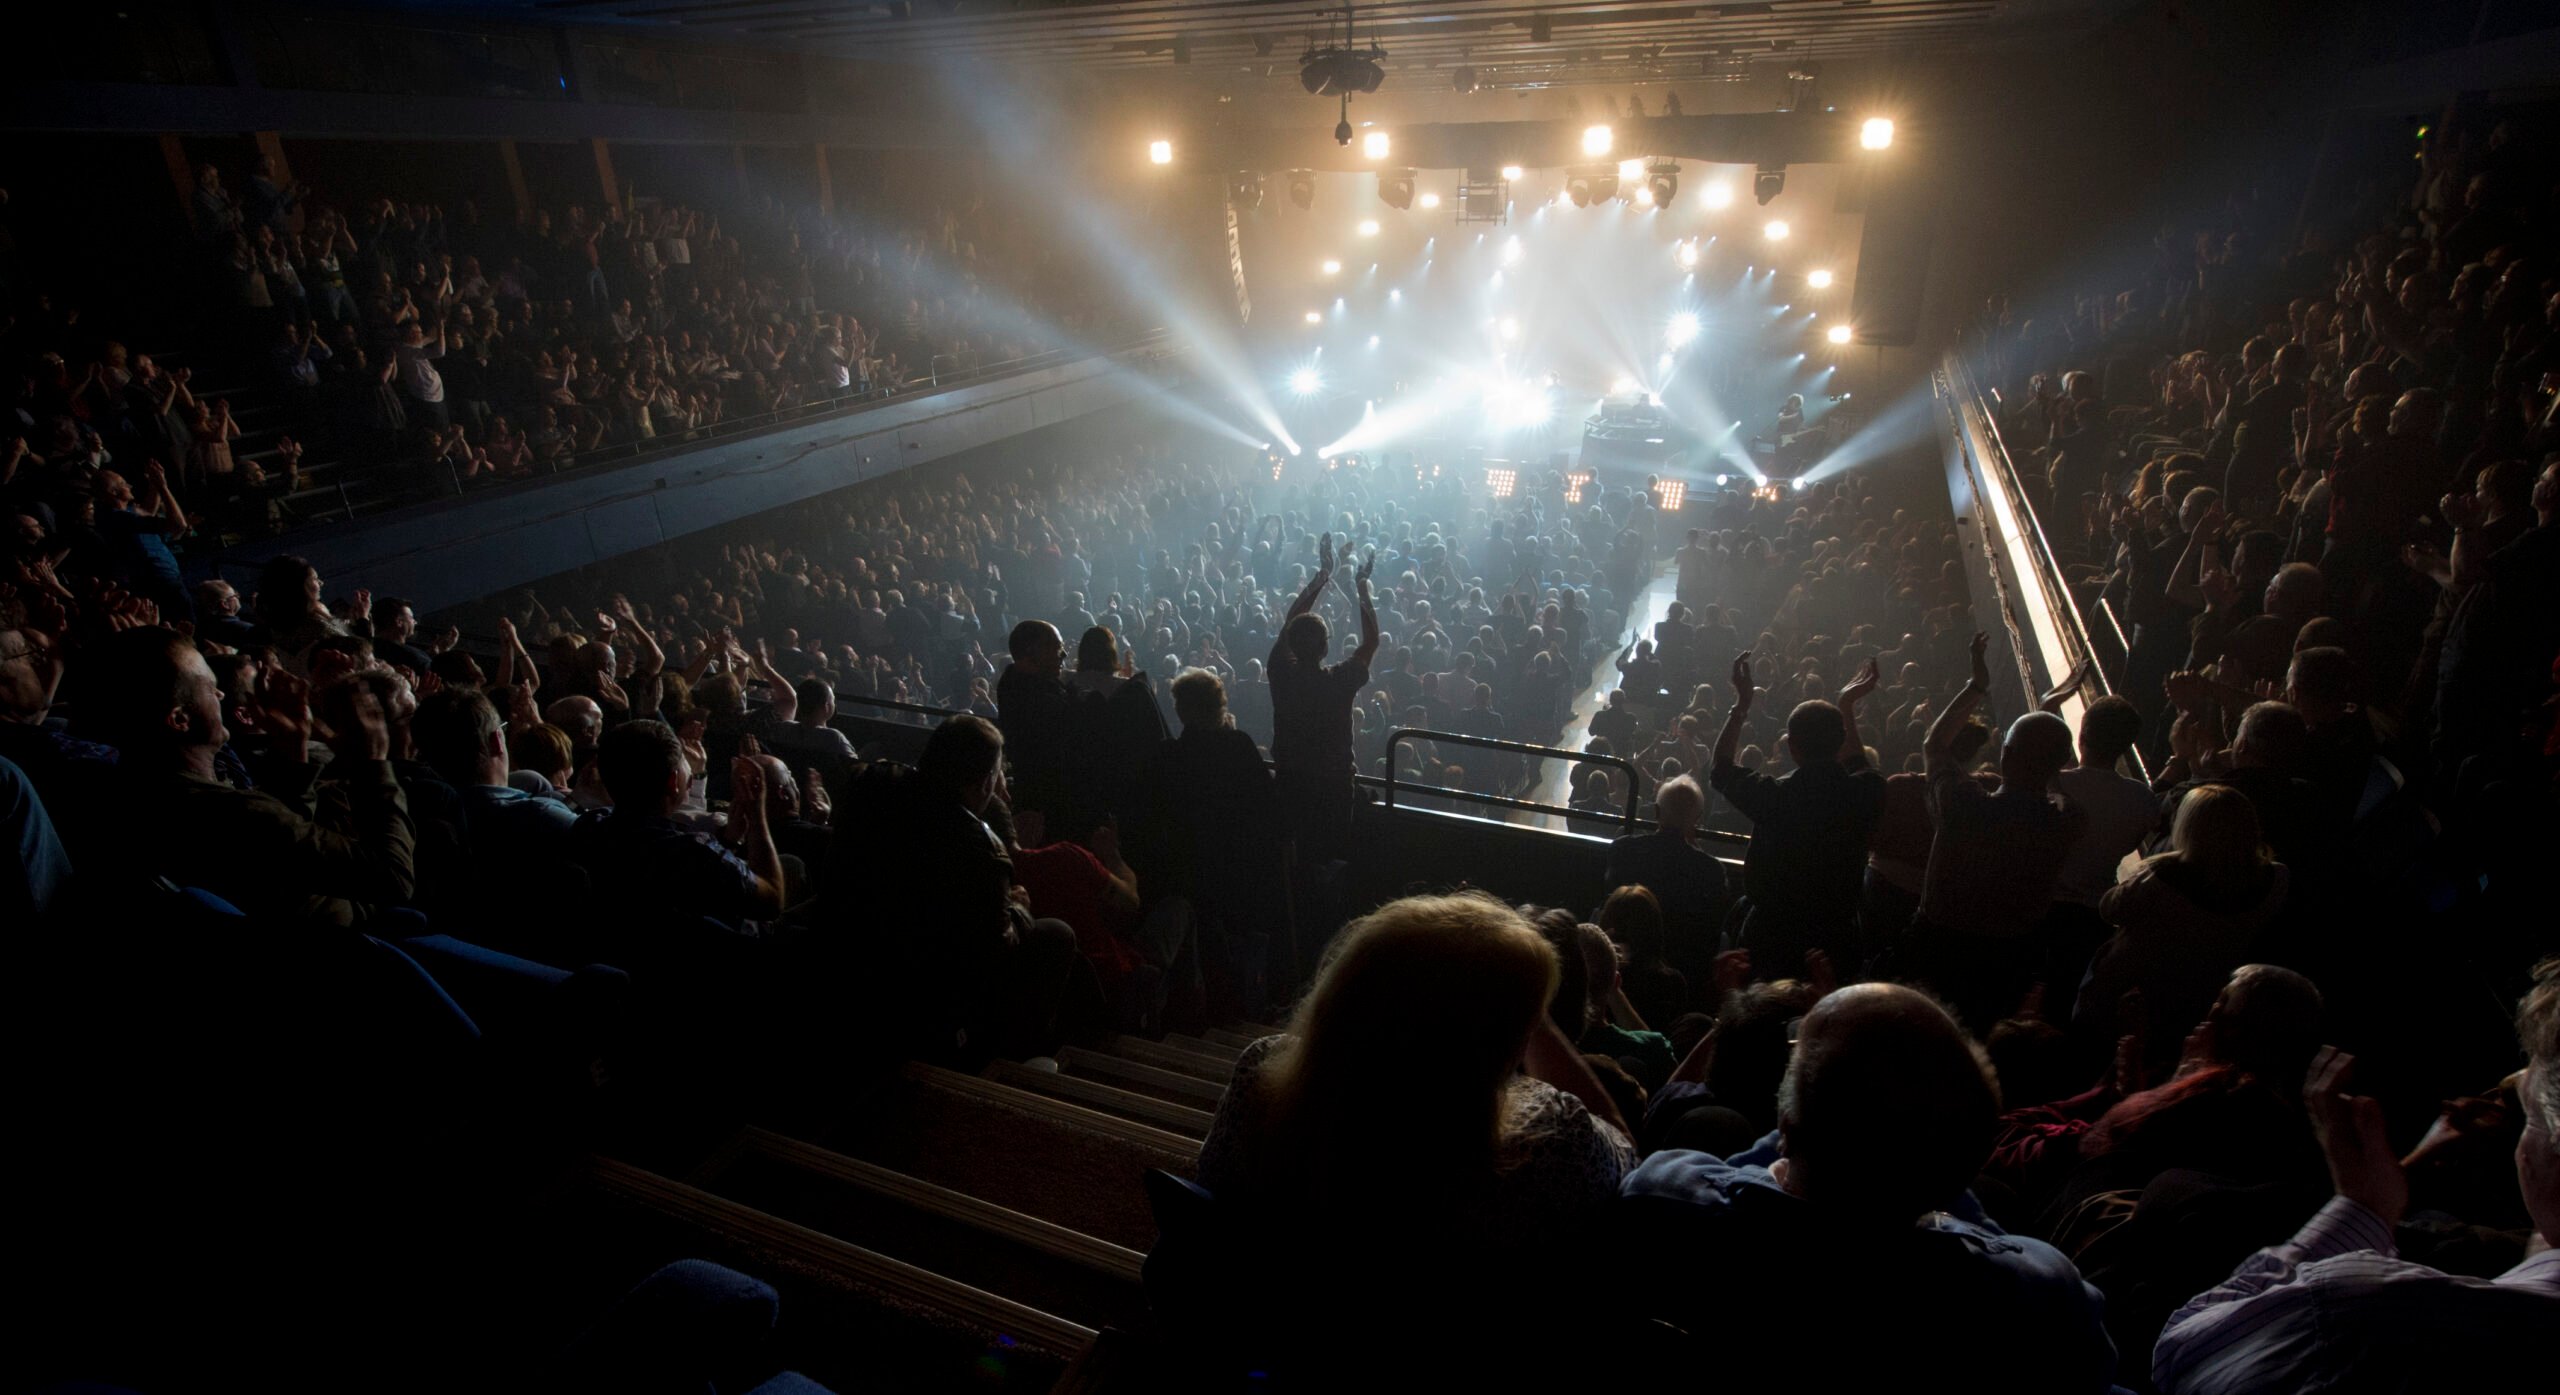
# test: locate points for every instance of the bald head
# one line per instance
(1888, 1108)
(2037, 748)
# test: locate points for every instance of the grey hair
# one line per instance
(2538, 1029)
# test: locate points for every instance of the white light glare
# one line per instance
(1306, 381)
(1160, 152)
(1429, 201)
(1684, 327)
(1776, 230)
(1837, 334)
(1511, 173)
(1512, 251)
(1630, 171)
(1374, 145)
(1510, 328)
(1686, 254)
(1331, 266)
(1819, 278)
(1595, 140)
(1644, 196)
(1368, 227)
(1719, 194)
(1876, 132)
(1315, 317)
(1373, 343)
(1623, 387)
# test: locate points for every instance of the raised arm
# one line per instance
(1368, 613)
(1729, 740)
(2183, 587)
(1853, 754)
(1940, 749)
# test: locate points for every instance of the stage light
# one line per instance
(1510, 328)
(1368, 227)
(1511, 174)
(1396, 295)
(1160, 152)
(1577, 189)
(1623, 386)
(1512, 251)
(1719, 194)
(1684, 327)
(1876, 132)
(1644, 196)
(1663, 182)
(1342, 131)
(1776, 230)
(1767, 182)
(1501, 483)
(1669, 495)
(1837, 334)
(1803, 484)
(1630, 170)
(1302, 188)
(1331, 266)
(1373, 343)
(1429, 201)
(1306, 381)
(1685, 253)
(1819, 278)
(1244, 189)
(1315, 317)
(1374, 145)
(1395, 188)
(1723, 480)
(1596, 139)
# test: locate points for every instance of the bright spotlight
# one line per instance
(1630, 170)
(1595, 140)
(1331, 266)
(1315, 317)
(1510, 328)
(1160, 152)
(1684, 327)
(1373, 343)
(1429, 201)
(1723, 480)
(1306, 381)
(1374, 145)
(1776, 230)
(1624, 386)
(1876, 132)
(1719, 195)
(1511, 174)
(1819, 278)
(1837, 334)
(1803, 484)
(1512, 251)
(1368, 227)
(1644, 195)
(1395, 295)
(1686, 254)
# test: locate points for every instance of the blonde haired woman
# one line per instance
(2184, 921)
(1419, 1138)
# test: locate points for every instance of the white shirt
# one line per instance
(418, 375)
(2122, 812)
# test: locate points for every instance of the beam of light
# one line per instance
(1511, 174)
(1630, 171)
(1596, 140)
(1374, 145)
(1819, 278)
(1306, 381)
(1368, 227)
(1512, 251)
(1682, 329)
(1332, 266)
(1906, 424)
(1686, 253)
(1429, 201)
(1875, 133)
(1776, 230)
(1160, 152)
(1718, 194)
(1837, 334)
(1315, 317)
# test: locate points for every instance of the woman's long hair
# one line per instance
(2218, 841)
(1403, 1049)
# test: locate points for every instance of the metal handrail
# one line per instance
(1517, 748)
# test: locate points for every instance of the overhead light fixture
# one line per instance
(1767, 182)
(1686, 253)
(1160, 152)
(1429, 201)
(1719, 194)
(1819, 278)
(1511, 174)
(1315, 317)
(1395, 188)
(1644, 195)
(1663, 178)
(1462, 79)
(1876, 132)
(1577, 187)
(1302, 188)
(1683, 328)
(1596, 140)
(1374, 145)
(1331, 266)
(1306, 381)
(1776, 230)
(1837, 334)
(1368, 227)
(1630, 170)
(1244, 189)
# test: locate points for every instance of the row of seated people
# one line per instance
(427, 351)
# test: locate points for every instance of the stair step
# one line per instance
(1215, 1069)
(1110, 1099)
(1238, 1040)
(1203, 1046)
(1179, 1086)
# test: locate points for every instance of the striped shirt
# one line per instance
(2336, 1308)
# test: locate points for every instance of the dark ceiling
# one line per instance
(1506, 43)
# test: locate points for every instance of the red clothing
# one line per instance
(1069, 883)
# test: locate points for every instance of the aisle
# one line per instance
(1555, 785)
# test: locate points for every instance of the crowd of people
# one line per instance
(426, 350)
(2029, 1031)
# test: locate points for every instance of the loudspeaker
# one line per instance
(1893, 256)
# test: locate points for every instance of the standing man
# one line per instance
(1311, 714)
(1809, 829)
